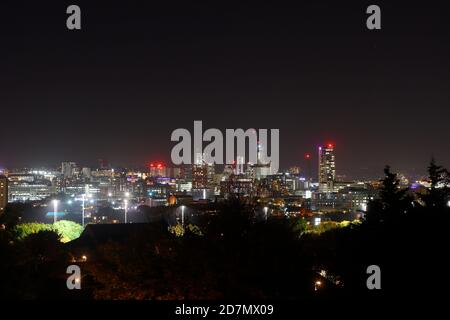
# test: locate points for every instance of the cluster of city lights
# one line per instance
(86, 197)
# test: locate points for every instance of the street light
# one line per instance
(55, 209)
(265, 212)
(182, 215)
(127, 194)
(317, 285)
(126, 209)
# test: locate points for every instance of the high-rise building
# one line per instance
(199, 176)
(327, 167)
(263, 167)
(3, 193)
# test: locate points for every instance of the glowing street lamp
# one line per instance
(126, 209)
(317, 285)
(55, 209)
(182, 215)
(265, 212)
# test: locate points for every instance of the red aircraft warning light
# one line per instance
(157, 165)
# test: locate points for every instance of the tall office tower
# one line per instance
(263, 167)
(327, 168)
(199, 172)
(199, 176)
(3, 193)
(68, 169)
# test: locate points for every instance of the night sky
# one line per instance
(140, 69)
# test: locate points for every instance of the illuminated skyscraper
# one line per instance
(199, 172)
(3, 193)
(263, 167)
(327, 167)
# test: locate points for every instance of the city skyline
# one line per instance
(308, 165)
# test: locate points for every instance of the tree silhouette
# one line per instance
(438, 192)
(393, 200)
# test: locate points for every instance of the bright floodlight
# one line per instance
(110, 194)
(55, 209)
(127, 194)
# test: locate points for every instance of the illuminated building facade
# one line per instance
(199, 176)
(327, 167)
